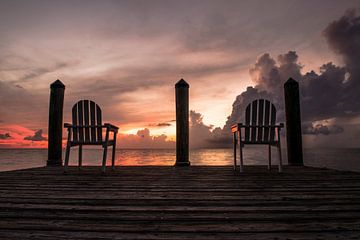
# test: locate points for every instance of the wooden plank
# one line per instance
(50, 235)
(254, 116)
(272, 122)
(81, 120)
(231, 226)
(260, 120)
(247, 122)
(75, 122)
(199, 202)
(267, 120)
(99, 123)
(86, 120)
(93, 121)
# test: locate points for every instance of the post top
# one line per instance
(57, 84)
(291, 81)
(181, 83)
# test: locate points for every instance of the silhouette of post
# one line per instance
(182, 123)
(55, 123)
(293, 123)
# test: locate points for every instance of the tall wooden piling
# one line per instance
(293, 123)
(182, 123)
(57, 90)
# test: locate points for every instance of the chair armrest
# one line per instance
(111, 127)
(236, 127)
(261, 126)
(106, 125)
(67, 125)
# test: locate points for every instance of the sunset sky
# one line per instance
(127, 56)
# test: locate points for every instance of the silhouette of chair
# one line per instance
(87, 129)
(259, 128)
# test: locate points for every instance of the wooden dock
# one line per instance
(179, 203)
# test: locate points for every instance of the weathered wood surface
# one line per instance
(293, 123)
(182, 123)
(55, 123)
(179, 203)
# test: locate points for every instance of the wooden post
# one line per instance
(55, 123)
(293, 123)
(182, 123)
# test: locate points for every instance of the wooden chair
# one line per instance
(87, 129)
(259, 128)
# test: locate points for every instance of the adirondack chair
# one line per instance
(259, 128)
(87, 129)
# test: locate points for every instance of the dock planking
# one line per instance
(198, 202)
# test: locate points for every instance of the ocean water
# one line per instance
(335, 158)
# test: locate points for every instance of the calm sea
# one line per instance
(341, 158)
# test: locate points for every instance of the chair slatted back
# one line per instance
(260, 112)
(87, 113)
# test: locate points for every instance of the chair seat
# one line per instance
(77, 143)
(260, 142)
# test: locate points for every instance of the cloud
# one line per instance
(17, 134)
(343, 36)
(323, 95)
(204, 136)
(5, 136)
(39, 71)
(36, 137)
(162, 124)
(330, 94)
(204, 47)
(317, 129)
(143, 139)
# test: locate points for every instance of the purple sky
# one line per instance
(127, 56)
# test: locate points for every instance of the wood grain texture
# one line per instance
(293, 123)
(198, 202)
(55, 123)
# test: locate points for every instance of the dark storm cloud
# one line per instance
(343, 36)
(162, 124)
(144, 138)
(317, 129)
(323, 95)
(202, 135)
(330, 94)
(335, 91)
(36, 137)
(269, 76)
(4, 136)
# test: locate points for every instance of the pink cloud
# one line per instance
(17, 134)
(143, 139)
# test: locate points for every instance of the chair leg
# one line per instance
(241, 158)
(113, 158)
(113, 153)
(67, 155)
(104, 159)
(280, 158)
(234, 146)
(80, 156)
(269, 165)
